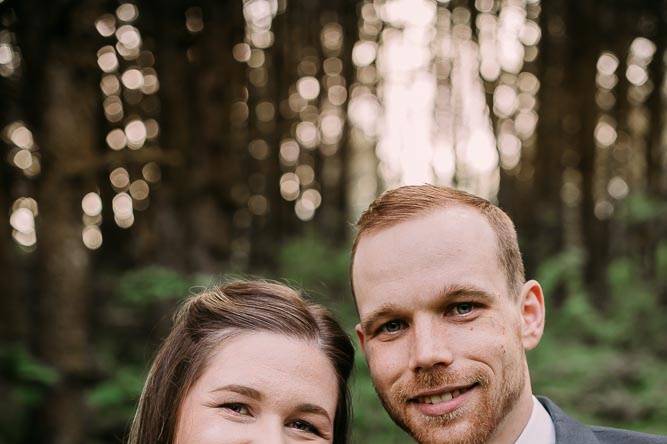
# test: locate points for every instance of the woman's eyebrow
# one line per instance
(241, 390)
(312, 408)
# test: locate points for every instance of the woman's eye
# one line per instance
(391, 327)
(239, 409)
(304, 426)
(463, 308)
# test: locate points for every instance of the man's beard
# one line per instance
(482, 418)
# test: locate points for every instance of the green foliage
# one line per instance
(564, 268)
(661, 262)
(312, 263)
(147, 285)
(576, 318)
(116, 397)
(28, 381)
(30, 378)
(641, 208)
(601, 384)
(603, 364)
(18, 364)
(633, 307)
(124, 384)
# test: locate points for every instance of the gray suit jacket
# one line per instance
(569, 431)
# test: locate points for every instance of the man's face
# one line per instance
(441, 334)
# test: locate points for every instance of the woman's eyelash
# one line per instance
(236, 407)
(299, 424)
(306, 427)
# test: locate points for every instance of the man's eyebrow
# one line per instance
(383, 311)
(448, 292)
(241, 390)
(313, 408)
(458, 290)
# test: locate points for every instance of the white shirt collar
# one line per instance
(540, 428)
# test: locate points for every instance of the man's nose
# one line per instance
(430, 345)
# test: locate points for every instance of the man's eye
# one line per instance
(304, 426)
(463, 308)
(392, 327)
(238, 408)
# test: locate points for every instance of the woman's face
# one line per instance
(261, 388)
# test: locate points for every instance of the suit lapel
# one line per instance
(567, 429)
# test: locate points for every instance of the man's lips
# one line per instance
(441, 401)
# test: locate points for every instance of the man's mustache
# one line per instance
(440, 378)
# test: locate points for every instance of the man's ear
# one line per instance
(531, 301)
(361, 336)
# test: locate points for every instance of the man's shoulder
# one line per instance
(568, 430)
(609, 435)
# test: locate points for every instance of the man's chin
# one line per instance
(454, 430)
(464, 424)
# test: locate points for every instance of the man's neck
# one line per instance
(515, 421)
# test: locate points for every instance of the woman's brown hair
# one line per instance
(207, 319)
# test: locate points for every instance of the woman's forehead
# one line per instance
(277, 366)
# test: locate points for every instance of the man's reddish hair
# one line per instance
(406, 202)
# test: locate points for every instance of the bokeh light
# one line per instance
(22, 220)
(289, 152)
(92, 237)
(306, 174)
(127, 12)
(116, 139)
(151, 172)
(139, 189)
(194, 20)
(91, 204)
(258, 205)
(132, 79)
(241, 52)
(151, 83)
(306, 134)
(129, 37)
(259, 149)
(119, 178)
(136, 134)
(289, 186)
(304, 209)
(308, 87)
(617, 188)
(106, 25)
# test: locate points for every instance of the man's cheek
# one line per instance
(385, 363)
(374, 357)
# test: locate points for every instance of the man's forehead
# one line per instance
(457, 222)
(437, 214)
(419, 247)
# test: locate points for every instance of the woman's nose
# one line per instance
(272, 432)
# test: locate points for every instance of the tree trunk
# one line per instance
(59, 96)
(583, 27)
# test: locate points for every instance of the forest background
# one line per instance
(152, 148)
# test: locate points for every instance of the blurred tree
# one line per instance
(59, 97)
(214, 137)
